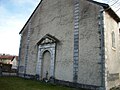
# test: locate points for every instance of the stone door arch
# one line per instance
(47, 43)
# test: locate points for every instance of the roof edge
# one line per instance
(108, 9)
(113, 14)
(30, 16)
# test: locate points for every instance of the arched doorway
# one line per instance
(46, 57)
(46, 64)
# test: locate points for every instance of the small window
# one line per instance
(113, 39)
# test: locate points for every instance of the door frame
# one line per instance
(41, 49)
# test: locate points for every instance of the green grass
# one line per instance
(15, 83)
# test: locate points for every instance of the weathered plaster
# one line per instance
(88, 61)
(112, 54)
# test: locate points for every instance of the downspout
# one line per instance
(102, 50)
(76, 40)
(19, 57)
(27, 47)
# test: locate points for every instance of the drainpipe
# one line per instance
(27, 47)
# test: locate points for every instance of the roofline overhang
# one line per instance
(113, 14)
(106, 7)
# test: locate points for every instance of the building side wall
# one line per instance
(14, 63)
(112, 54)
(89, 44)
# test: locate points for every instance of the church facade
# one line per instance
(72, 42)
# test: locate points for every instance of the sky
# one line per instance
(13, 16)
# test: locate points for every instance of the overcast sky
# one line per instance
(13, 16)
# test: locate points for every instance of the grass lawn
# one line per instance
(15, 83)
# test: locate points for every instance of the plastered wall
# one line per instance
(112, 53)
